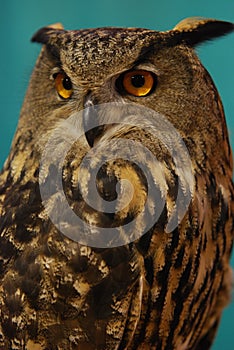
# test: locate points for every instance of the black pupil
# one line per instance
(67, 83)
(138, 80)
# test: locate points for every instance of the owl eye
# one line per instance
(137, 82)
(63, 85)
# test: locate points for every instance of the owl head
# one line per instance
(155, 69)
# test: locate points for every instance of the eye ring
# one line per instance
(63, 85)
(138, 82)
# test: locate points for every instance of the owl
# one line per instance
(116, 200)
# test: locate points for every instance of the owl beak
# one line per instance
(90, 116)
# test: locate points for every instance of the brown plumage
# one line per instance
(155, 288)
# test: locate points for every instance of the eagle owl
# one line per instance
(116, 200)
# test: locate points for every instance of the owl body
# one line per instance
(62, 285)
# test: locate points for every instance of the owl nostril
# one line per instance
(90, 115)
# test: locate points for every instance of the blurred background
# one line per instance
(19, 20)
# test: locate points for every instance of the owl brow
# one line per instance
(144, 54)
(54, 51)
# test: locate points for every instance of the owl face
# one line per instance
(148, 68)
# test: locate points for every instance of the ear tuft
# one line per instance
(196, 30)
(56, 26)
(44, 34)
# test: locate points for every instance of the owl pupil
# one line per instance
(67, 83)
(138, 80)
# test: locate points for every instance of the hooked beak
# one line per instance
(90, 119)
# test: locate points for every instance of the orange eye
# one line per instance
(63, 85)
(138, 82)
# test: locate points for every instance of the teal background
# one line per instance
(20, 19)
